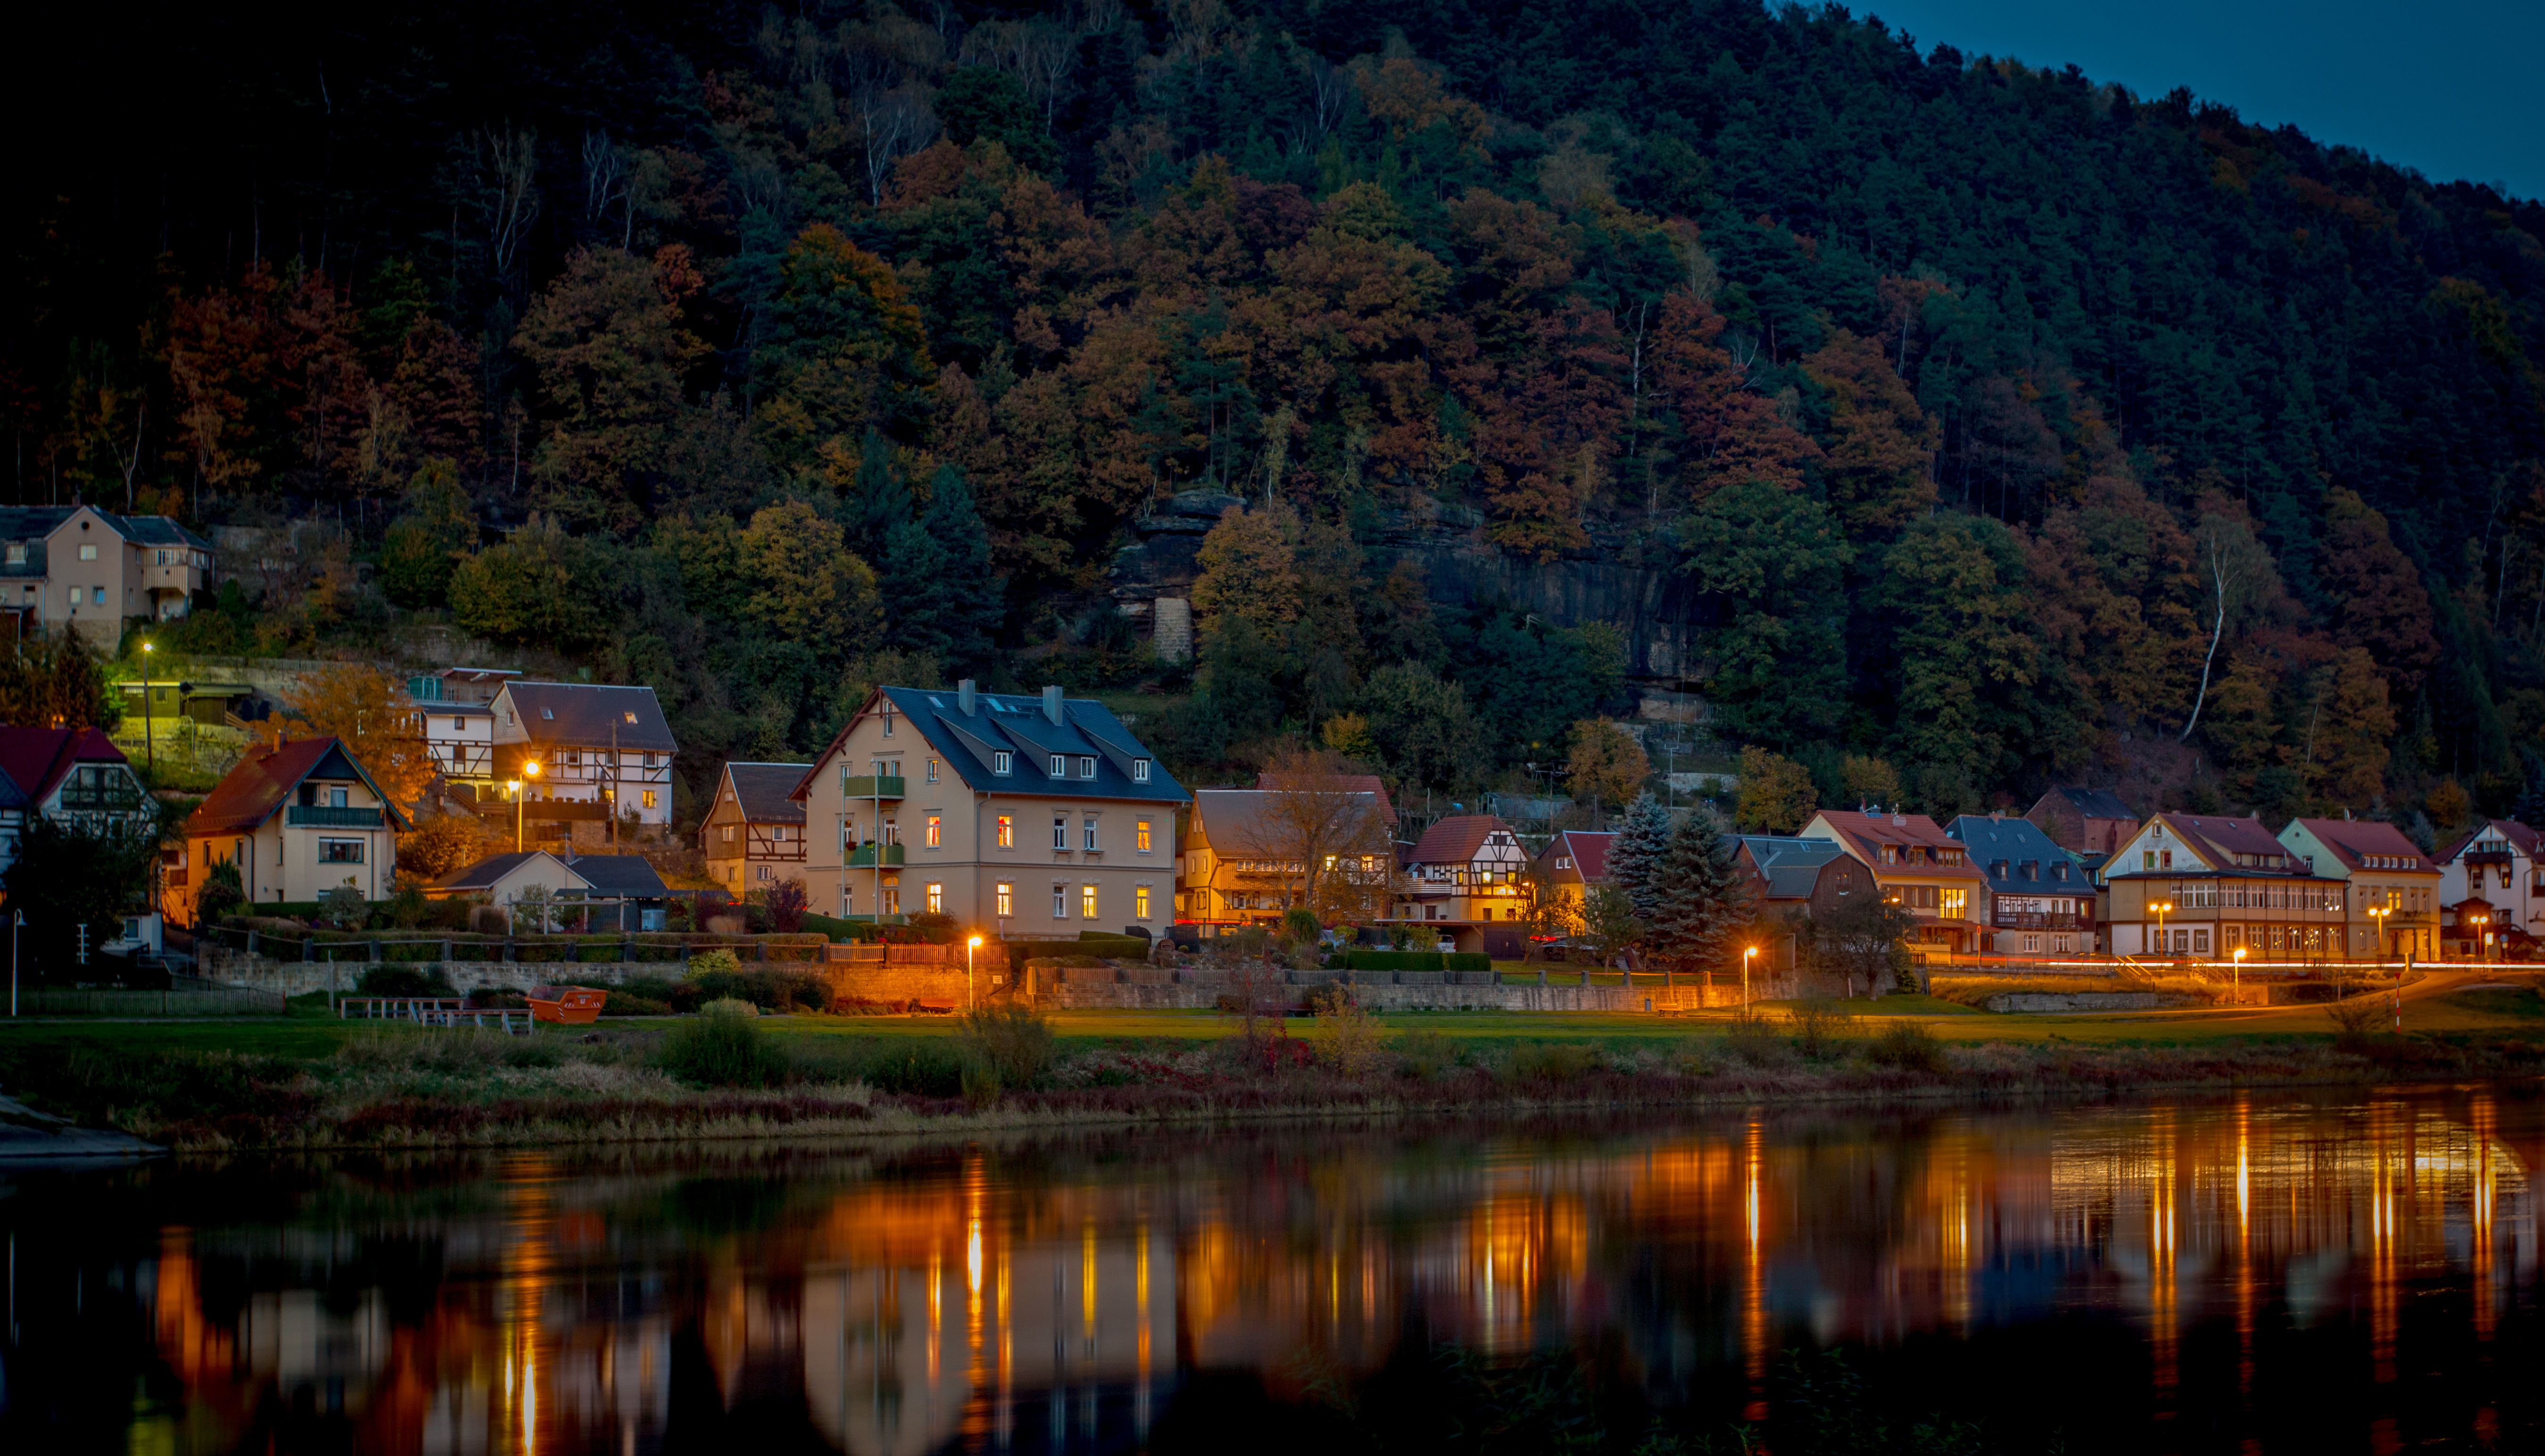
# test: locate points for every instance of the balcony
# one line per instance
(874, 786)
(865, 856)
(319, 816)
(121, 800)
(2026, 919)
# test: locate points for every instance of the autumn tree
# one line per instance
(56, 682)
(368, 709)
(1249, 569)
(2354, 724)
(1331, 829)
(537, 585)
(1879, 461)
(610, 350)
(1776, 795)
(1607, 764)
(440, 845)
(845, 353)
(1868, 781)
(424, 544)
(2383, 606)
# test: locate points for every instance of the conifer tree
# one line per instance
(1635, 860)
(1701, 900)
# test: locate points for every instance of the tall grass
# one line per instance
(723, 1047)
(1009, 1048)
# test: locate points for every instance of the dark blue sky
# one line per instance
(2456, 92)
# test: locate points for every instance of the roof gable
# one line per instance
(2355, 843)
(35, 761)
(764, 793)
(590, 715)
(263, 783)
(1006, 723)
(1459, 839)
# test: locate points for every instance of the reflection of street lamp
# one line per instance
(970, 947)
(2239, 974)
(2163, 908)
(1746, 953)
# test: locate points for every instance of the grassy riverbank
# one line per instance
(313, 1082)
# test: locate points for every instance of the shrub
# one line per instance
(713, 962)
(723, 1046)
(1353, 1040)
(490, 919)
(1553, 1064)
(1426, 1055)
(1467, 960)
(911, 1066)
(397, 980)
(221, 893)
(1909, 1046)
(1754, 1040)
(1821, 1025)
(1012, 1042)
(787, 907)
(2358, 1019)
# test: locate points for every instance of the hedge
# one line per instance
(1414, 960)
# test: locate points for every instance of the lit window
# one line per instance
(936, 899)
(892, 900)
(1059, 767)
(1139, 770)
(1007, 832)
(1007, 900)
(932, 770)
(649, 798)
(340, 852)
(1142, 835)
(1091, 832)
(1139, 902)
(936, 832)
(1086, 902)
(1060, 902)
(1003, 763)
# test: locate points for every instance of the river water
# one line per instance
(2321, 1273)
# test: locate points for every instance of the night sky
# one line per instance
(2454, 92)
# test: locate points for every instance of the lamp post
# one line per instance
(521, 791)
(2482, 938)
(1746, 952)
(2163, 908)
(2377, 916)
(515, 785)
(970, 947)
(149, 749)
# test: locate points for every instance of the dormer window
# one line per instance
(1086, 767)
(1059, 765)
(1139, 770)
(1003, 763)
(548, 713)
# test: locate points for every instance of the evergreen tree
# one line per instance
(879, 502)
(1636, 858)
(1701, 901)
(939, 594)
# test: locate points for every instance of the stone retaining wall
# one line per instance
(300, 977)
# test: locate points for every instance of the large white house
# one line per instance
(2497, 874)
(1020, 816)
(73, 776)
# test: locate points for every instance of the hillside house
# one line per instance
(456, 715)
(300, 818)
(74, 776)
(1468, 867)
(1022, 816)
(78, 568)
(754, 834)
(580, 892)
(603, 752)
(1918, 867)
(1795, 876)
(2090, 821)
(1243, 851)
(2039, 899)
(2198, 886)
(1571, 863)
(2394, 888)
(2491, 883)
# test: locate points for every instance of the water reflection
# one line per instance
(1056, 1297)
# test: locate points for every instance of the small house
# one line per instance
(2040, 901)
(754, 834)
(300, 818)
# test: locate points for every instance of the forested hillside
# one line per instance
(2004, 423)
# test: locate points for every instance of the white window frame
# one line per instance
(1007, 900)
(1092, 844)
(1139, 770)
(1059, 765)
(1059, 900)
(1003, 763)
(1086, 766)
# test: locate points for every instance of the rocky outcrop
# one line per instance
(1661, 616)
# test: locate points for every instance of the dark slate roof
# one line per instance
(249, 794)
(34, 523)
(1002, 722)
(760, 790)
(586, 714)
(486, 873)
(34, 760)
(618, 874)
(2000, 848)
(2098, 803)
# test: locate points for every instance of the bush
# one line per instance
(1819, 1025)
(1397, 960)
(922, 1067)
(1909, 1046)
(787, 907)
(713, 963)
(1754, 1040)
(1012, 1042)
(1426, 1055)
(1111, 946)
(395, 980)
(1553, 1064)
(723, 1046)
(1467, 960)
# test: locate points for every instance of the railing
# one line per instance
(322, 816)
(873, 786)
(866, 854)
(2030, 919)
(226, 1000)
(92, 801)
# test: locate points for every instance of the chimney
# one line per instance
(965, 693)
(1051, 704)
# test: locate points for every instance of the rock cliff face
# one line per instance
(1656, 608)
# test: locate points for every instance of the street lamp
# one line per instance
(2482, 938)
(2377, 916)
(2163, 908)
(970, 947)
(1746, 953)
(149, 749)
